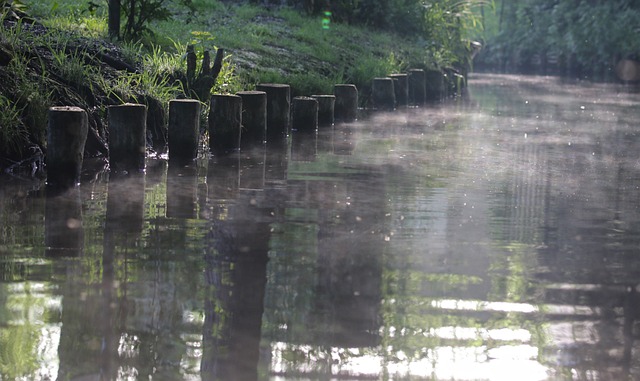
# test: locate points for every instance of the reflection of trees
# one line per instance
(235, 275)
(568, 225)
(323, 294)
(19, 338)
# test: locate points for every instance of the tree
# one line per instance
(138, 14)
(114, 19)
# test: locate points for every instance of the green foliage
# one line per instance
(586, 37)
(13, 134)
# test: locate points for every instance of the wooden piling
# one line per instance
(326, 109)
(346, 104)
(383, 94)
(66, 136)
(401, 88)
(225, 123)
(184, 130)
(254, 117)
(304, 117)
(417, 87)
(435, 85)
(127, 136)
(278, 109)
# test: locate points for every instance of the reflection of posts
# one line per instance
(343, 142)
(223, 179)
(349, 267)
(252, 169)
(225, 122)
(64, 233)
(401, 89)
(346, 105)
(631, 314)
(184, 130)
(276, 161)
(304, 146)
(182, 192)
(278, 109)
(127, 136)
(236, 269)
(125, 204)
(254, 117)
(66, 136)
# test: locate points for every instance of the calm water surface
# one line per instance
(494, 238)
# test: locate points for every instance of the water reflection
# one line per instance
(481, 239)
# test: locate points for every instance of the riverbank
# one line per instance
(59, 55)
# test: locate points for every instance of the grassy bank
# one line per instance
(60, 59)
(266, 45)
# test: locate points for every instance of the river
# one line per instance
(493, 237)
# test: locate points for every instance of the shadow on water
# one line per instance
(476, 240)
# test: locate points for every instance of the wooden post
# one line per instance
(435, 85)
(304, 117)
(346, 106)
(417, 87)
(66, 136)
(401, 88)
(184, 130)
(278, 109)
(326, 109)
(225, 123)
(127, 136)
(254, 117)
(383, 94)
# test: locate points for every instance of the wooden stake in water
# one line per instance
(225, 122)
(254, 117)
(417, 87)
(383, 94)
(305, 114)
(127, 136)
(184, 130)
(326, 109)
(278, 109)
(66, 137)
(346, 106)
(401, 88)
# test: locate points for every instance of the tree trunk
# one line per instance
(114, 19)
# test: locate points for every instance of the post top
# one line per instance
(272, 85)
(184, 100)
(130, 105)
(66, 109)
(251, 92)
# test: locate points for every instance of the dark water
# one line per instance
(495, 238)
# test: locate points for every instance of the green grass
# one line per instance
(262, 45)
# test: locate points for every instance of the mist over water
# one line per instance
(495, 237)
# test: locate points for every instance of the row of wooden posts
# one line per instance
(252, 117)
